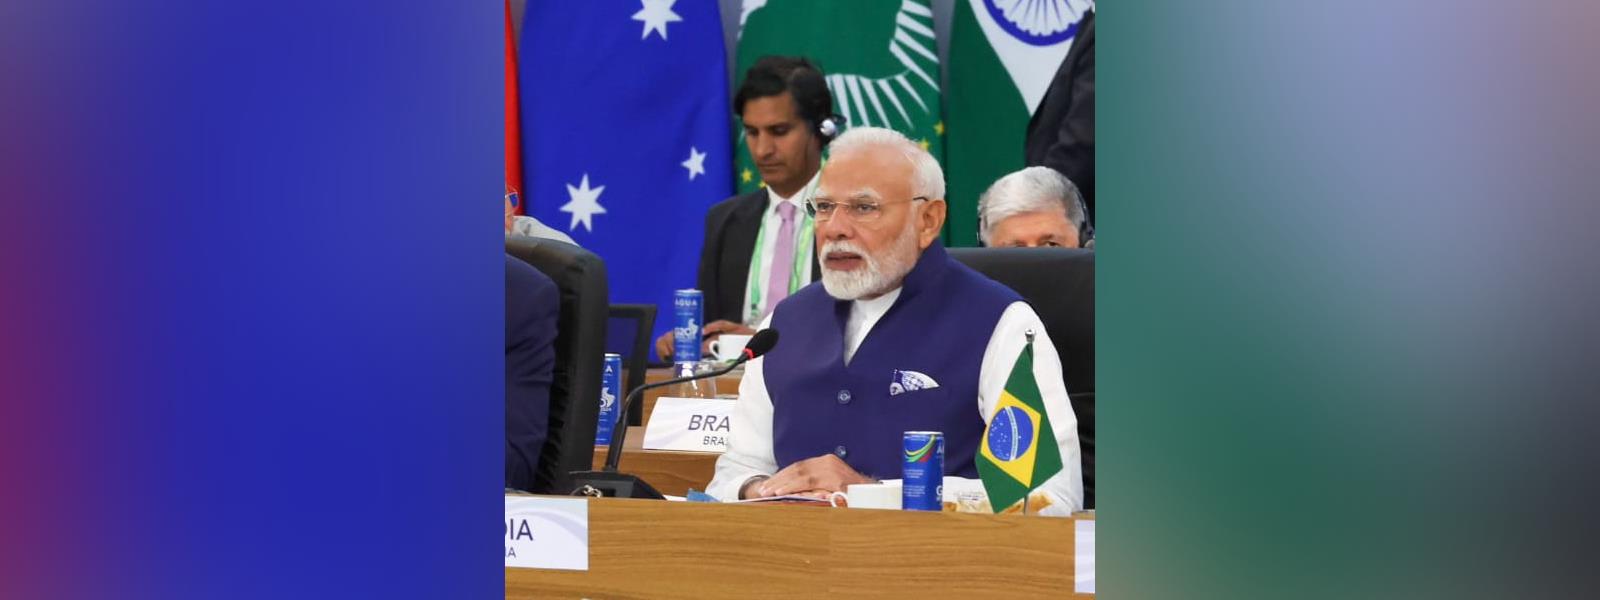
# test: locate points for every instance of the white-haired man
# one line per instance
(897, 337)
(1031, 208)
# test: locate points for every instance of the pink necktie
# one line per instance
(782, 259)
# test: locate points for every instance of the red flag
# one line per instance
(513, 123)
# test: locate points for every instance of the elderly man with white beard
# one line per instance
(896, 337)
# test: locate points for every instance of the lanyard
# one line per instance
(802, 257)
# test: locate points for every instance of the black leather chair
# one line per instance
(1059, 284)
(580, 357)
(628, 334)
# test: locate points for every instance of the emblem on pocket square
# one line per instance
(910, 381)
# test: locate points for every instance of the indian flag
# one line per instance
(1019, 450)
(1003, 56)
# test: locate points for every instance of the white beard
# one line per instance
(876, 278)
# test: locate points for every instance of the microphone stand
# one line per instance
(608, 482)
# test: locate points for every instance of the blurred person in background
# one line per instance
(1031, 208)
(528, 226)
(533, 304)
(758, 246)
(1061, 132)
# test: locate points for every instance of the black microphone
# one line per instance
(622, 485)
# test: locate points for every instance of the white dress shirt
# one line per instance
(750, 440)
(771, 221)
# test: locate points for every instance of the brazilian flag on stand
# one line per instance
(1019, 450)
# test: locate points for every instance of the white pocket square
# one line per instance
(910, 381)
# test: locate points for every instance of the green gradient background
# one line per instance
(1345, 297)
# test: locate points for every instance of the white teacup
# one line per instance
(729, 346)
(868, 495)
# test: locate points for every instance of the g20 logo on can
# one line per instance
(922, 453)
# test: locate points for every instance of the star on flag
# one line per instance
(656, 14)
(584, 204)
(696, 163)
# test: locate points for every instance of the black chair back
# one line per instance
(1059, 284)
(580, 357)
(628, 334)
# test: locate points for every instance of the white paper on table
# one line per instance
(1083, 557)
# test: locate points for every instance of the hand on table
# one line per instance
(664, 346)
(817, 476)
(721, 327)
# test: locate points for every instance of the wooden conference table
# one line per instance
(660, 549)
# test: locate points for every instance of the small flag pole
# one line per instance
(1026, 496)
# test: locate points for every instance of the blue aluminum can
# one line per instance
(610, 396)
(923, 488)
(687, 320)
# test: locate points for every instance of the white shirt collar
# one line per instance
(878, 306)
(773, 198)
(864, 314)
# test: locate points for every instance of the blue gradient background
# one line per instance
(250, 300)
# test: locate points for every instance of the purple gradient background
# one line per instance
(250, 312)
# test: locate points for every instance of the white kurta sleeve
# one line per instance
(1010, 336)
(750, 439)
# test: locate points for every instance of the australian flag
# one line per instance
(626, 138)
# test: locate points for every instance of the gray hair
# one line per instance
(927, 178)
(1034, 189)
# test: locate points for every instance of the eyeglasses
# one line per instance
(860, 212)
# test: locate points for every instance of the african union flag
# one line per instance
(1019, 450)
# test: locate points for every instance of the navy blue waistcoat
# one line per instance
(939, 327)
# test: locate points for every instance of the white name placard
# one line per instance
(692, 424)
(547, 533)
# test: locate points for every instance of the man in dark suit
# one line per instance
(532, 305)
(758, 247)
(1061, 133)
